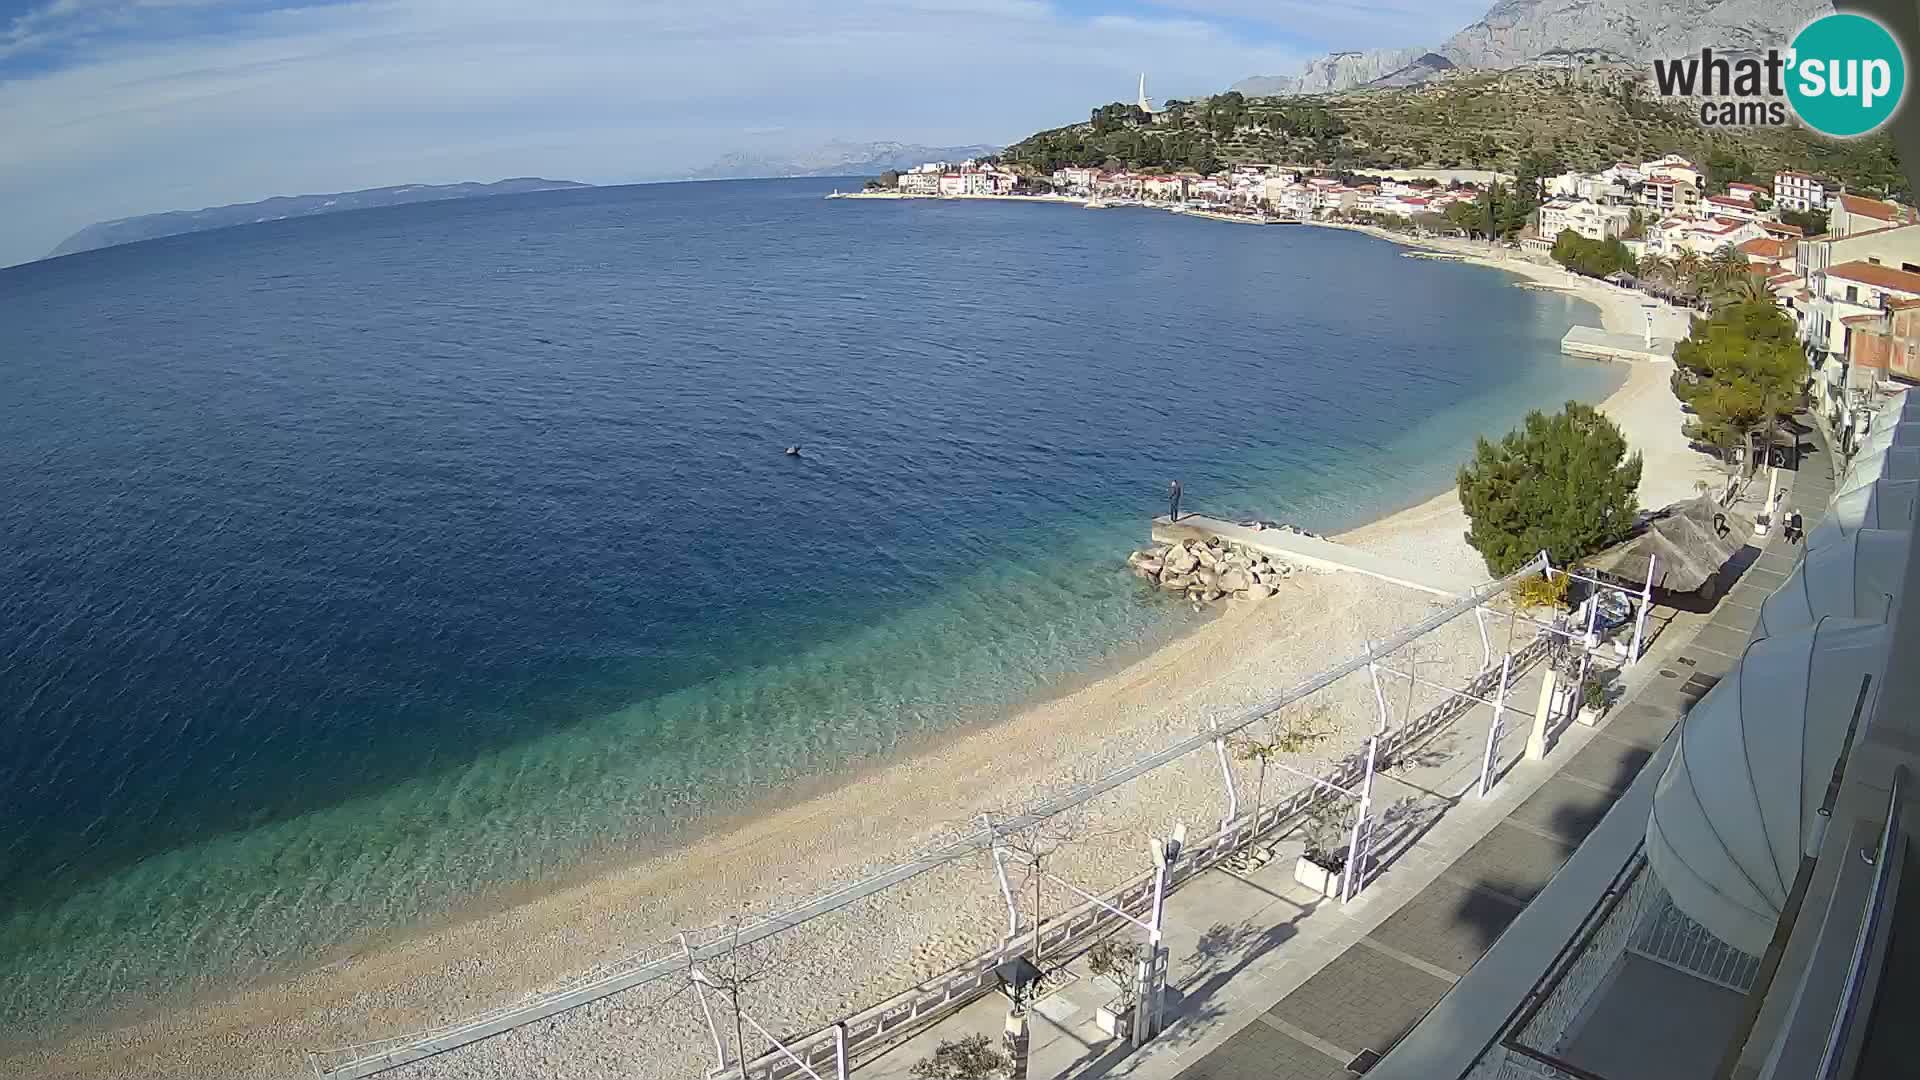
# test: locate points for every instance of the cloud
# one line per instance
(114, 109)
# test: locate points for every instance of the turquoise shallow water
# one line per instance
(360, 565)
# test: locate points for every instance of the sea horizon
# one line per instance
(379, 563)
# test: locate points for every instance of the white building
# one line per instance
(920, 183)
(1799, 191)
(1075, 178)
(1729, 206)
(1591, 220)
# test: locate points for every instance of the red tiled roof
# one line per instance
(1873, 208)
(1883, 277)
(1782, 227)
(1764, 247)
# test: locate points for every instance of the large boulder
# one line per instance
(1174, 582)
(1181, 560)
(1257, 592)
(1151, 566)
(1207, 556)
(1234, 580)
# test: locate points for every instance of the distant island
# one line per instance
(174, 222)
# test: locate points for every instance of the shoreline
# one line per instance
(769, 856)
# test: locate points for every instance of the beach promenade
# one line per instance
(1269, 981)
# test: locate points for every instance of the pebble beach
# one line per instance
(784, 854)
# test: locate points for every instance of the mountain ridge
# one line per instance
(1516, 33)
(128, 230)
(834, 159)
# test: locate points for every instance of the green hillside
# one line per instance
(1477, 120)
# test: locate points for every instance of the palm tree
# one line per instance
(1749, 288)
(1726, 266)
(1655, 269)
(1686, 273)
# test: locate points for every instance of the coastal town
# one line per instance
(1845, 266)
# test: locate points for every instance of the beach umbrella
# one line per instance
(1877, 504)
(1738, 804)
(1853, 578)
(1886, 463)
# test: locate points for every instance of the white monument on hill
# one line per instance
(1145, 102)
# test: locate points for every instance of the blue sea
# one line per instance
(357, 569)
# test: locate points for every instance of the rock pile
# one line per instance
(1210, 571)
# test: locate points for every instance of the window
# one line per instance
(1874, 259)
(1853, 295)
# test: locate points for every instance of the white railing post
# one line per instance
(1226, 776)
(840, 1069)
(1000, 873)
(1640, 617)
(1493, 729)
(1486, 643)
(700, 991)
(1356, 873)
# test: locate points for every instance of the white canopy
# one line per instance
(1897, 407)
(1879, 504)
(1901, 434)
(1853, 578)
(1886, 463)
(1736, 807)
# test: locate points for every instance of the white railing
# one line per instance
(1078, 929)
(941, 994)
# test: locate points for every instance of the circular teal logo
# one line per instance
(1846, 75)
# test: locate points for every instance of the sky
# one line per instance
(111, 108)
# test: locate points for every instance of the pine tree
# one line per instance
(1563, 484)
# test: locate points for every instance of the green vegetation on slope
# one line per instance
(1480, 120)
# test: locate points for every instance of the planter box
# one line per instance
(1588, 717)
(1116, 1018)
(1316, 877)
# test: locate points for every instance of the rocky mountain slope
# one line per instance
(1514, 33)
(1331, 73)
(174, 222)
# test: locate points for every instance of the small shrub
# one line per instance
(1326, 833)
(1115, 961)
(971, 1058)
(1542, 590)
(1594, 696)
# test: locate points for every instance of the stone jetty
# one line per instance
(1210, 570)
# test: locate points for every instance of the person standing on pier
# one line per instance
(1173, 499)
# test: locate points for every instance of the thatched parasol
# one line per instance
(1686, 543)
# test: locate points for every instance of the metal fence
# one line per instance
(869, 1031)
(1062, 936)
(1634, 915)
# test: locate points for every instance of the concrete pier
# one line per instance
(1310, 551)
(1593, 343)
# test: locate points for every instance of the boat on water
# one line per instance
(1095, 204)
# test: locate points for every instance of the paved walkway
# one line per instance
(1312, 551)
(1270, 982)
